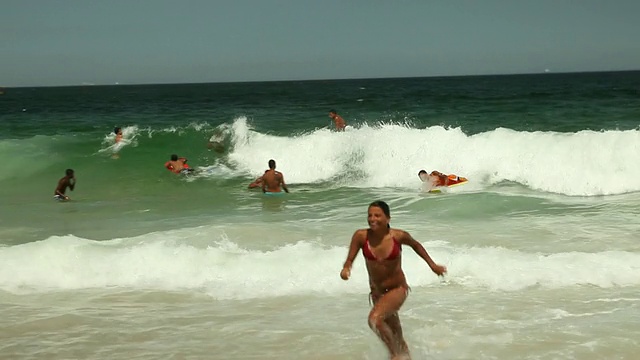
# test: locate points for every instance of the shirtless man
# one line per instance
(118, 132)
(178, 165)
(439, 179)
(273, 180)
(337, 120)
(436, 178)
(68, 181)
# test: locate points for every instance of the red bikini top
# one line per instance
(368, 254)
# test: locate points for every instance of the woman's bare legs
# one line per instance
(394, 323)
(384, 320)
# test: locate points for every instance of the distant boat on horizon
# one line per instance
(1, 91)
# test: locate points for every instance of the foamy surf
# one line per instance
(224, 270)
(586, 163)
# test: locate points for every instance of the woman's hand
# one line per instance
(439, 270)
(345, 273)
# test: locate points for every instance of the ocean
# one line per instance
(541, 244)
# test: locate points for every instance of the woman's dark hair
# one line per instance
(382, 205)
(115, 130)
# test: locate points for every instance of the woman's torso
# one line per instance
(383, 258)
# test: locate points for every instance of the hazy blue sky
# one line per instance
(53, 42)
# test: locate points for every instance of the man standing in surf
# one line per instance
(382, 249)
(68, 181)
(337, 120)
(272, 180)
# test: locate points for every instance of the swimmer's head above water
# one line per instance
(423, 175)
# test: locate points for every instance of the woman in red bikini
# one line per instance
(381, 247)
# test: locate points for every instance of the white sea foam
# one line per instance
(181, 260)
(585, 163)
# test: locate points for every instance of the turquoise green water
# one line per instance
(541, 244)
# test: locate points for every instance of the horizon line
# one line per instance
(545, 72)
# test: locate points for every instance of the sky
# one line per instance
(64, 42)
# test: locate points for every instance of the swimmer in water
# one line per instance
(118, 132)
(337, 120)
(68, 181)
(178, 165)
(272, 180)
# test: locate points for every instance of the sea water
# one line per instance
(541, 245)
